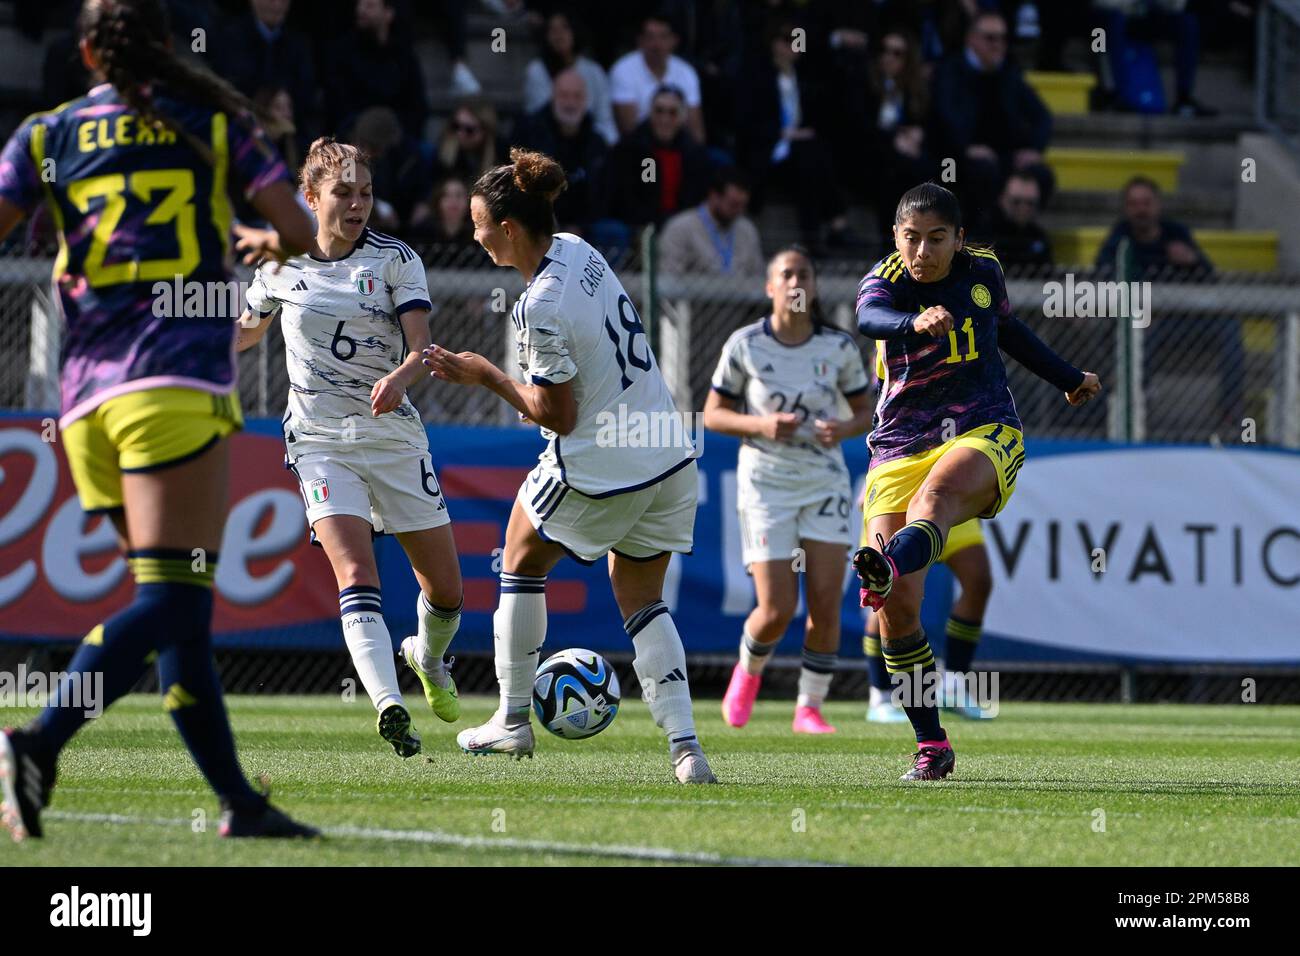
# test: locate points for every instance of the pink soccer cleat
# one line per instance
(738, 702)
(808, 720)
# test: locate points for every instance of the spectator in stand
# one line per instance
(989, 119)
(276, 104)
(1018, 239)
(779, 140)
(716, 237)
(468, 145)
(370, 65)
(453, 16)
(680, 165)
(560, 52)
(940, 25)
(635, 78)
(258, 50)
(1160, 249)
(399, 175)
(1147, 20)
(894, 115)
(1158, 245)
(446, 216)
(565, 130)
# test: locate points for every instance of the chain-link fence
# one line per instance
(1183, 357)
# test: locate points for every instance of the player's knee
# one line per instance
(901, 614)
(355, 573)
(775, 614)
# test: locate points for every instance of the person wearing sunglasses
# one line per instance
(989, 119)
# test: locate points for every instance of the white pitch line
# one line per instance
(687, 803)
(440, 838)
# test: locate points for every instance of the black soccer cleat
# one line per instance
(931, 763)
(395, 726)
(877, 572)
(268, 823)
(25, 783)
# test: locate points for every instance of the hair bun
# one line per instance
(537, 174)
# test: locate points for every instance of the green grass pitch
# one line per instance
(1178, 785)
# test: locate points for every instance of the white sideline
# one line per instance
(439, 838)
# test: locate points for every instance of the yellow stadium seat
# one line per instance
(1110, 169)
(1229, 250)
(1064, 93)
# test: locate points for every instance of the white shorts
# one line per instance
(391, 486)
(637, 524)
(774, 520)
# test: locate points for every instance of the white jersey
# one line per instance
(342, 334)
(807, 379)
(575, 323)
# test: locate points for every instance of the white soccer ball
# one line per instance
(575, 694)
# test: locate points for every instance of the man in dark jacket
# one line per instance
(565, 130)
(1018, 238)
(259, 51)
(989, 119)
(644, 192)
(370, 65)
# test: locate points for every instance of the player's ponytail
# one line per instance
(327, 157)
(523, 190)
(130, 38)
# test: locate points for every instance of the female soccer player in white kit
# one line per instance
(583, 348)
(779, 386)
(355, 315)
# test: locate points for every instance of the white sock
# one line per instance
(877, 697)
(753, 655)
(815, 678)
(519, 630)
(660, 666)
(369, 643)
(437, 626)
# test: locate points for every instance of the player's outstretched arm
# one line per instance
(250, 328)
(1018, 340)
(551, 406)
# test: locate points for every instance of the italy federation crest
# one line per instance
(319, 490)
(365, 282)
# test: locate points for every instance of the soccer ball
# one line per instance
(575, 694)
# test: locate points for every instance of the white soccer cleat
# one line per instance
(492, 738)
(689, 766)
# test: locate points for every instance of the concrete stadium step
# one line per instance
(1078, 168)
(1207, 209)
(1228, 250)
(1138, 131)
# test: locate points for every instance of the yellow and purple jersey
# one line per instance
(136, 204)
(935, 388)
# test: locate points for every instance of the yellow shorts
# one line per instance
(143, 431)
(890, 486)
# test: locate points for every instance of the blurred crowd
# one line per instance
(692, 115)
